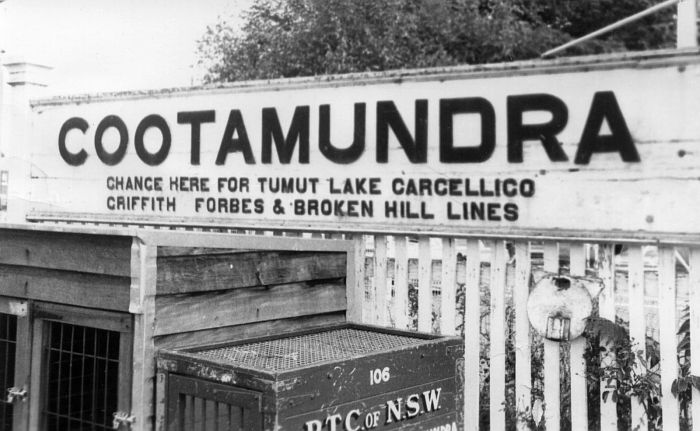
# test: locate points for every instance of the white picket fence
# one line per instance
(479, 288)
(472, 284)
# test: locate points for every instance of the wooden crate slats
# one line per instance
(448, 287)
(637, 323)
(579, 393)
(523, 371)
(552, 413)
(96, 254)
(76, 288)
(216, 271)
(249, 330)
(238, 306)
(668, 327)
(497, 339)
(472, 336)
(425, 289)
(606, 310)
(400, 304)
(380, 307)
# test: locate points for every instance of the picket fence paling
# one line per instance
(497, 334)
(400, 300)
(523, 372)
(425, 310)
(448, 287)
(380, 309)
(694, 284)
(488, 264)
(579, 394)
(472, 338)
(637, 324)
(606, 310)
(668, 365)
(552, 362)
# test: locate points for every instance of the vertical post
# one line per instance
(448, 287)
(400, 309)
(668, 327)
(579, 393)
(142, 305)
(425, 289)
(552, 365)
(606, 310)
(472, 336)
(687, 27)
(523, 369)
(357, 313)
(380, 310)
(637, 325)
(694, 284)
(497, 338)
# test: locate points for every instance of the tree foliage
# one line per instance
(287, 38)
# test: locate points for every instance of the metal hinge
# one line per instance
(122, 418)
(16, 394)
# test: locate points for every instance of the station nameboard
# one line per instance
(571, 146)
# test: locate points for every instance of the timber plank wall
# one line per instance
(207, 295)
(77, 269)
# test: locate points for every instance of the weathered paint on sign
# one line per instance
(390, 411)
(605, 146)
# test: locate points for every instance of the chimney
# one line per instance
(21, 73)
(22, 81)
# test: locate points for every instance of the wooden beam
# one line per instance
(73, 288)
(97, 254)
(224, 334)
(202, 273)
(181, 313)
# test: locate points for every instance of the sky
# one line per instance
(110, 45)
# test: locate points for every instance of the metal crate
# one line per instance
(361, 376)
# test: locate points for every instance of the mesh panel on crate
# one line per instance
(299, 351)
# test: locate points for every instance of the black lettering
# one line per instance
(510, 211)
(605, 107)
(73, 159)
(468, 105)
(111, 159)
(230, 145)
(492, 209)
(510, 187)
(388, 117)
(195, 120)
(527, 188)
(344, 155)
(153, 159)
(298, 131)
(544, 132)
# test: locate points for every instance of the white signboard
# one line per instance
(595, 146)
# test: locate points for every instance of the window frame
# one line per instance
(19, 308)
(43, 313)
